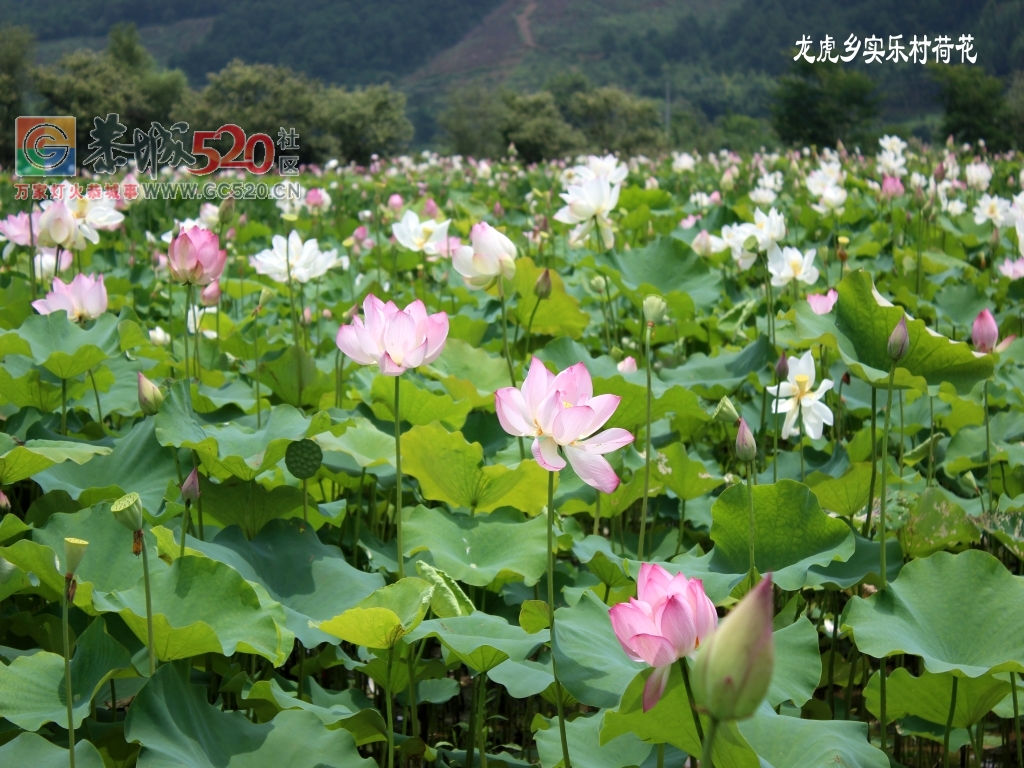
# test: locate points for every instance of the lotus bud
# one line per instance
(128, 511)
(190, 488)
(74, 551)
(5, 503)
(655, 308)
(395, 202)
(150, 396)
(226, 209)
(841, 253)
(597, 284)
(266, 296)
(210, 295)
(985, 333)
(542, 288)
(725, 412)
(175, 231)
(746, 446)
(846, 378)
(782, 368)
(899, 341)
(940, 172)
(733, 669)
(750, 244)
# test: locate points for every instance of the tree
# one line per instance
(973, 104)
(359, 123)
(471, 121)
(822, 104)
(612, 119)
(123, 79)
(16, 44)
(533, 123)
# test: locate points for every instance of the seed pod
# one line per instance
(128, 511)
(303, 458)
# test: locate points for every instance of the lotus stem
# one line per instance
(750, 495)
(508, 355)
(186, 521)
(988, 455)
(64, 407)
(709, 744)
(256, 372)
(481, 720)
(184, 336)
(551, 618)
(388, 704)
(398, 480)
(647, 450)
(874, 465)
(96, 392)
(148, 609)
(832, 657)
(949, 726)
(885, 469)
(1016, 719)
(689, 697)
(68, 691)
(471, 734)
(410, 658)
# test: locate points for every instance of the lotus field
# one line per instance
(608, 462)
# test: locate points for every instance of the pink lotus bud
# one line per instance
(542, 288)
(746, 446)
(716, 197)
(733, 669)
(210, 295)
(891, 187)
(627, 365)
(190, 488)
(499, 212)
(430, 209)
(327, 314)
(899, 340)
(395, 202)
(307, 316)
(195, 257)
(5, 503)
(150, 396)
(361, 233)
(315, 198)
(985, 333)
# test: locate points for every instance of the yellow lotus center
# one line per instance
(797, 265)
(802, 380)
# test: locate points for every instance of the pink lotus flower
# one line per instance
(1013, 269)
(561, 412)
(985, 333)
(628, 365)
(490, 255)
(195, 257)
(395, 202)
(84, 298)
(891, 187)
(822, 303)
(690, 221)
(210, 295)
(668, 620)
(430, 209)
(394, 339)
(15, 228)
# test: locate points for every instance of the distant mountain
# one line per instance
(715, 56)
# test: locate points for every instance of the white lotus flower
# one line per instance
(91, 214)
(608, 166)
(590, 204)
(893, 144)
(795, 398)
(423, 237)
(768, 228)
(735, 236)
(978, 176)
(305, 260)
(788, 264)
(683, 161)
(831, 200)
(994, 209)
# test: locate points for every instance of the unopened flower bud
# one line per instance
(940, 173)
(266, 296)
(725, 412)
(542, 288)
(210, 295)
(395, 202)
(746, 446)
(150, 396)
(750, 244)
(74, 551)
(733, 669)
(841, 253)
(985, 332)
(655, 308)
(899, 340)
(597, 284)
(782, 368)
(627, 365)
(5, 503)
(226, 209)
(128, 511)
(190, 488)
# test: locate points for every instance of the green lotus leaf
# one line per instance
(930, 695)
(65, 349)
(449, 469)
(280, 372)
(419, 406)
(175, 725)
(863, 565)
(448, 599)
(558, 314)
(310, 579)
(797, 664)
(32, 749)
(715, 377)
(32, 691)
(586, 747)
(860, 333)
(791, 533)
(384, 617)
(935, 524)
(913, 615)
(20, 461)
(480, 641)
(523, 678)
(788, 741)
(478, 550)
(469, 373)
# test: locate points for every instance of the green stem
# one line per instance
(184, 336)
(387, 699)
(256, 371)
(529, 328)
(874, 464)
(1016, 719)
(199, 501)
(661, 755)
(885, 468)
(149, 609)
(199, 335)
(988, 452)
(295, 331)
(750, 494)
(709, 744)
(849, 681)
(410, 659)
(882, 719)
(832, 657)
(471, 734)
(302, 668)
(96, 391)
(690, 699)
(481, 720)
(64, 407)
(931, 438)
(551, 618)
(775, 442)
(305, 502)
(800, 447)
(949, 726)
(398, 480)
(68, 691)
(647, 452)
(186, 521)
(508, 355)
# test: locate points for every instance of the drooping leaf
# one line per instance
(384, 617)
(930, 695)
(32, 749)
(481, 641)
